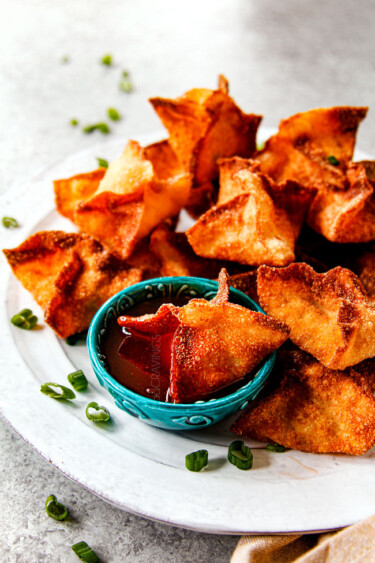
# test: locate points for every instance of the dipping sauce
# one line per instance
(142, 362)
(138, 361)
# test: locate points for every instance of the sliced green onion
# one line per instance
(66, 393)
(275, 448)
(84, 552)
(55, 509)
(74, 122)
(101, 414)
(24, 319)
(333, 160)
(102, 162)
(107, 60)
(240, 455)
(78, 380)
(77, 337)
(10, 223)
(196, 461)
(260, 146)
(113, 114)
(102, 127)
(125, 84)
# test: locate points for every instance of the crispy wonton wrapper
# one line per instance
(306, 142)
(71, 191)
(330, 315)
(177, 258)
(257, 221)
(204, 125)
(70, 276)
(217, 344)
(315, 409)
(138, 191)
(346, 215)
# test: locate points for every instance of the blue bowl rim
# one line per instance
(242, 393)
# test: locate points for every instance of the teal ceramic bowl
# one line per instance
(156, 413)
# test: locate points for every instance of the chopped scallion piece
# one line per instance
(102, 127)
(196, 461)
(275, 448)
(24, 319)
(10, 223)
(77, 337)
(260, 146)
(55, 509)
(74, 122)
(113, 114)
(333, 160)
(66, 393)
(125, 84)
(102, 162)
(240, 455)
(78, 380)
(84, 552)
(107, 60)
(101, 414)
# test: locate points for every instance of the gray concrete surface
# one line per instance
(280, 58)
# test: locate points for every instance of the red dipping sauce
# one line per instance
(138, 361)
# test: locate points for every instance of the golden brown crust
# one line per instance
(205, 125)
(217, 345)
(315, 409)
(300, 149)
(177, 257)
(70, 275)
(132, 198)
(330, 315)
(346, 215)
(71, 191)
(222, 295)
(258, 224)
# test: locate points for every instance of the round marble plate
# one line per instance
(139, 468)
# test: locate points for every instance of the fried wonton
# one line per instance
(132, 199)
(314, 147)
(330, 315)
(346, 215)
(214, 343)
(315, 409)
(217, 345)
(258, 221)
(177, 258)
(204, 125)
(71, 191)
(70, 276)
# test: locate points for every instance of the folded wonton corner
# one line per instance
(314, 409)
(329, 315)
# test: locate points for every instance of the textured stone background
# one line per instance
(280, 57)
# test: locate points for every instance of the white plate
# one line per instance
(134, 466)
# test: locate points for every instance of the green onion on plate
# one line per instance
(78, 380)
(66, 393)
(24, 319)
(240, 455)
(101, 414)
(196, 461)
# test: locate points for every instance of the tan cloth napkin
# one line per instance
(350, 545)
